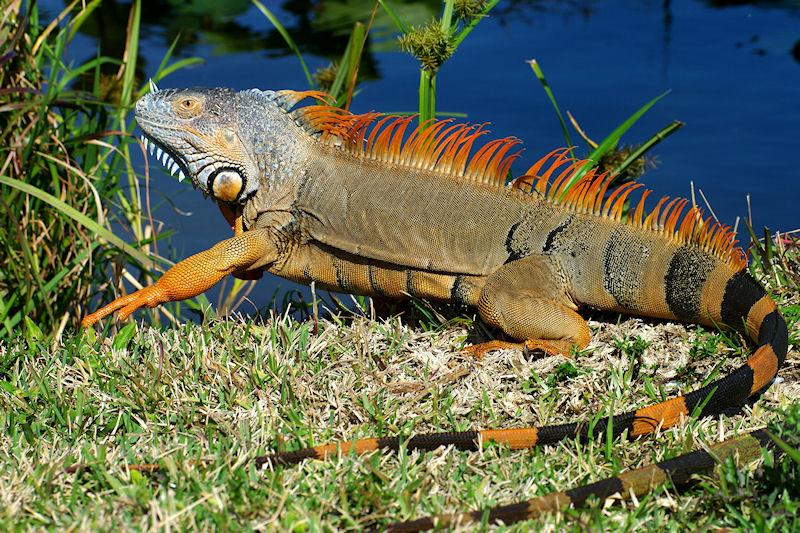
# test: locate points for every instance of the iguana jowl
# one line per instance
(368, 204)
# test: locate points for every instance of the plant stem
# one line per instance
(447, 15)
(659, 136)
(427, 96)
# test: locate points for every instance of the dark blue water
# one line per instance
(733, 73)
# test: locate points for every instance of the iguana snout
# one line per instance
(195, 133)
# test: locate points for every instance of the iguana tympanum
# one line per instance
(368, 204)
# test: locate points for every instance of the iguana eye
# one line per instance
(187, 106)
(226, 185)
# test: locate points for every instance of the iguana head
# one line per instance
(218, 138)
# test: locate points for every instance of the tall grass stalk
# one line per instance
(66, 146)
(345, 71)
(436, 42)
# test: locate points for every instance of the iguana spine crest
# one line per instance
(587, 196)
(444, 147)
(436, 146)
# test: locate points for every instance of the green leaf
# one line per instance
(81, 17)
(401, 26)
(89, 334)
(793, 453)
(131, 54)
(610, 142)
(32, 331)
(348, 64)
(78, 217)
(124, 336)
(657, 137)
(540, 76)
(164, 69)
(136, 477)
(286, 37)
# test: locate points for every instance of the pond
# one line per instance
(732, 69)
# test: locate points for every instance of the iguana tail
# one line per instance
(744, 304)
(633, 483)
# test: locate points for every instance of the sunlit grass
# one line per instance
(151, 427)
(142, 427)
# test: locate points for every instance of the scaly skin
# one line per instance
(317, 194)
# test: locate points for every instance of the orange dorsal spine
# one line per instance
(588, 195)
(445, 147)
(437, 146)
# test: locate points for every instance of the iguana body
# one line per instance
(361, 204)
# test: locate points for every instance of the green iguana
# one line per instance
(368, 204)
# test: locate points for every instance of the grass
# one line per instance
(156, 428)
(75, 204)
(83, 423)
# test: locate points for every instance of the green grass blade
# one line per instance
(610, 142)
(286, 37)
(348, 64)
(401, 26)
(793, 453)
(81, 17)
(167, 56)
(53, 282)
(65, 80)
(78, 217)
(181, 63)
(164, 69)
(540, 76)
(131, 52)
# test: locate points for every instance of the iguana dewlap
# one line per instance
(369, 204)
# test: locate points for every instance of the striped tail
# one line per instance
(633, 483)
(745, 306)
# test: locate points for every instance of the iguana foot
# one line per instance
(548, 348)
(146, 297)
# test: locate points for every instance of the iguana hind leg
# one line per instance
(523, 299)
(196, 274)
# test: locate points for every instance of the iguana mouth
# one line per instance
(171, 160)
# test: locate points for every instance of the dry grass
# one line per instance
(82, 422)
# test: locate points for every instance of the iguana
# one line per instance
(368, 204)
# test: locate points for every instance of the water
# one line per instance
(733, 73)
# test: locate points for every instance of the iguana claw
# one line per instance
(146, 297)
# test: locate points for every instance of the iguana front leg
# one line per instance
(233, 215)
(196, 274)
